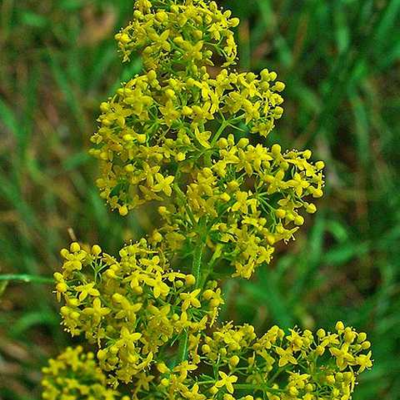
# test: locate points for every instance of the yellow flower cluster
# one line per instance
(179, 34)
(177, 135)
(131, 307)
(75, 375)
(233, 363)
(251, 198)
(156, 125)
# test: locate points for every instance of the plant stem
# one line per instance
(248, 386)
(221, 129)
(196, 271)
(196, 266)
(27, 278)
(210, 265)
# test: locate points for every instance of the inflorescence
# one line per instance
(176, 136)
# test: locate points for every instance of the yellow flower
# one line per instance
(285, 356)
(128, 339)
(190, 299)
(159, 287)
(184, 368)
(86, 290)
(227, 381)
(203, 137)
(97, 311)
(193, 393)
(364, 361)
(241, 202)
(343, 357)
(163, 184)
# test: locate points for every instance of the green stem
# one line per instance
(196, 266)
(210, 265)
(224, 124)
(196, 271)
(277, 373)
(27, 278)
(248, 386)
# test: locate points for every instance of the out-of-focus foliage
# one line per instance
(340, 63)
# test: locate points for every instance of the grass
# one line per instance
(340, 61)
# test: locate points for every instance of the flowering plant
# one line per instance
(177, 135)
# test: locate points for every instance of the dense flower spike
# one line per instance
(75, 375)
(177, 135)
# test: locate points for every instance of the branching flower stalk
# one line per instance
(177, 135)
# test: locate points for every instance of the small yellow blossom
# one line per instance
(227, 381)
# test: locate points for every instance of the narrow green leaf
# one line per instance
(27, 278)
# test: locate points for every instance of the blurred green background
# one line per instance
(340, 62)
